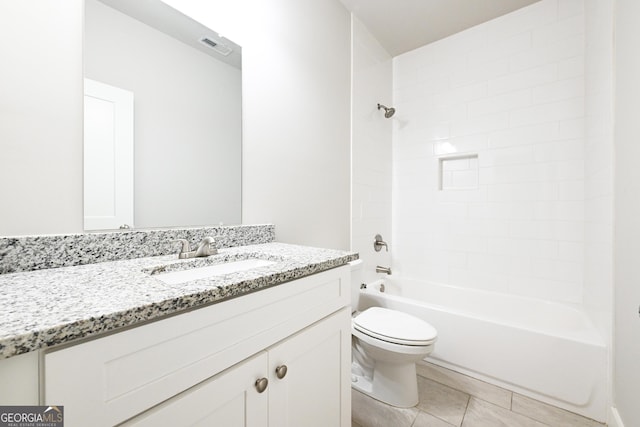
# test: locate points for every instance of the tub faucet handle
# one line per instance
(378, 243)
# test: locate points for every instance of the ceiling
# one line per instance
(404, 25)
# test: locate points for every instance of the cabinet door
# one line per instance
(316, 389)
(229, 399)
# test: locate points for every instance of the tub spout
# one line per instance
(380, 269)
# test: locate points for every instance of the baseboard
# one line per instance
(614, 418)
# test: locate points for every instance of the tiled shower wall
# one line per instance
(509, 97)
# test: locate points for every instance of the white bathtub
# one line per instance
(545, 350)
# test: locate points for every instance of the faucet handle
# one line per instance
(185, 244)
(378, 243)
(207, 247)
(184, 248)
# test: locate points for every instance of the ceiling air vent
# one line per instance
(217, 46)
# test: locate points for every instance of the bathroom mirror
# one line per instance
(162, 119)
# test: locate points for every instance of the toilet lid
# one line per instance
(395, 326)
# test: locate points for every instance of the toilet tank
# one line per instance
(357, 278)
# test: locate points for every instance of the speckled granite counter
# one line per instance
(52, 306)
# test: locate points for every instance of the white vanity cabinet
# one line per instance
(201, 368)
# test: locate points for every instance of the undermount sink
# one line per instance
(183, 276)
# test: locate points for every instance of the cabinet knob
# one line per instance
(261, 384)
(281, 371)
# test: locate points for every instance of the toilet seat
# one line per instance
(395, 327)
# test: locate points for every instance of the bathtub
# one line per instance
(544, 350)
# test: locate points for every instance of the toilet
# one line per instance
(386, 344)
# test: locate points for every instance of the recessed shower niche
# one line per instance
(458, 172)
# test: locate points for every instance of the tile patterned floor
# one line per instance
(450, 399)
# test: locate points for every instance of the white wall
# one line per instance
(296, 138)
(296, 101)
(627, 212)
(40, 113)
(511, 91)
(371, 149)
(187, 119)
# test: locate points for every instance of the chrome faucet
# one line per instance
(380, 269)
(206, 248)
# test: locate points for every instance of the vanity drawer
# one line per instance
(113, 378)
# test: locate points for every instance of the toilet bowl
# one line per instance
(386, 344)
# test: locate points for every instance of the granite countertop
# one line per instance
(53, 306)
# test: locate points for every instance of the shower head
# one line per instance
(388, 111)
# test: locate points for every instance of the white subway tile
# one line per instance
(499, 264)
(571, 190)
(520, 210)
(500, 103)
(599, 209)
(479, 227)
(599, 184)
(571, 67)
(504, 175)
(548, 54)
(571, 251)
(420, 148)
(560, 30)
(572, 231)
(411, 136)
(569, 149)
(562, 210)
(523, 247)
(465, 179)
(450, 209)
(523, 135)
(523, 79)
(598, 155)
(507, 156)
(527, 191)
(599, 232)
(480, 125)
(558, 91)
(461, 145)
(568, 170)
(462, 195)
(501, 49)
(554, 111)
(462, 94)
(570, 8)
(457, 242)
(478, 72)
(572, 128)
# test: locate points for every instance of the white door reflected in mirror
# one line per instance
(108, 156)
